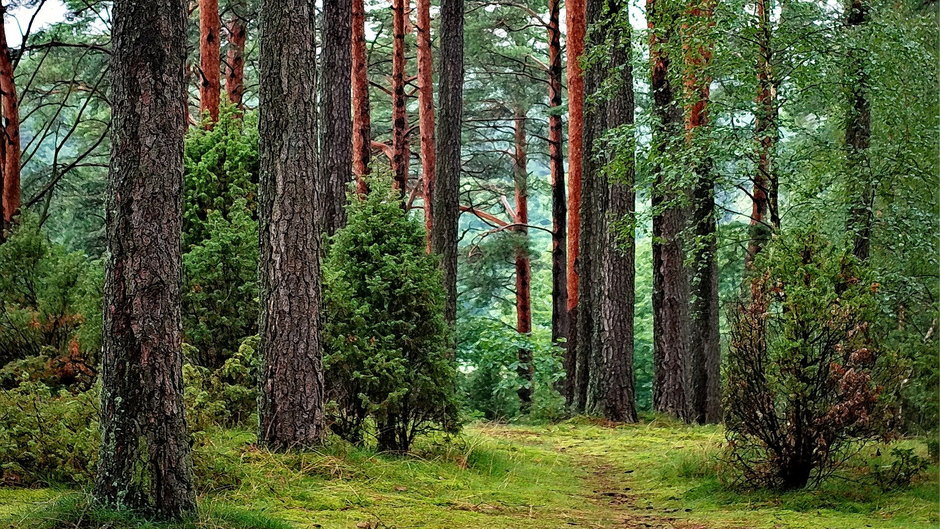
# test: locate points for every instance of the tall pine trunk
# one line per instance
(145, 462)
(237, 28)
(526, 369)
(861, 189)
(335, 104)
(704, 348)
(426, 111)
(400, 148)
(445, 205)
(11, 138)
(290, 406)
(362, 120)
(610, 169)
(556, 163)
(210, 26)
(575, 13)
(670, 285)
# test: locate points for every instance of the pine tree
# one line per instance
(335, 102)
(210, 85)
(445, 203)
(145, 459)
(291, 401)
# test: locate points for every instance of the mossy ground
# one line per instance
(576, 474)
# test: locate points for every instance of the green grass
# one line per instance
(576, 473)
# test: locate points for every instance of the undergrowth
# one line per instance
(582, 472)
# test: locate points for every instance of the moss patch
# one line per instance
(579, 473)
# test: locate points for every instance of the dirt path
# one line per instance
(607, 487)
(610, 487)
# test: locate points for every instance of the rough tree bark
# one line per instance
(670, 285)
(237, 28)
(426, 110)
(210, 88)
(611, 168)
(585, 340)
(523, 264)
(290, 406)
(11, 132)
(362, 120)
(704, 351)
(335, 104)
(400, 148)
(575, 19)
(766, 132)
(145, 462)
(556, 164)
(861, 189)
(445, 206)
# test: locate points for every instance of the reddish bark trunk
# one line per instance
(556, 163)
(362, 121)
(210, 25)
(575, 18)
(11, 139)
(526, 369)
(765, 134)
(235, 56)
(426, 110)
(400, 151)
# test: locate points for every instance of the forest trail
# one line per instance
(606, 485)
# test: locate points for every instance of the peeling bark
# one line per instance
(11, 134)
(426, 111)
(210, 86)
(575, 18)
(237, 29)
(362, 121)
(523, 264)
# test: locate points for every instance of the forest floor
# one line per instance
(578, 474)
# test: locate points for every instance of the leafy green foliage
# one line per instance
(47, 436)
(226, 396)
(488, 353)
(221, 168)
(806, 380)
(387, 347)
(49, 306)
(220, 299)
(220, 237)
(903, 467)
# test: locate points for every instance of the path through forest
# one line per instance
(607, 485)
